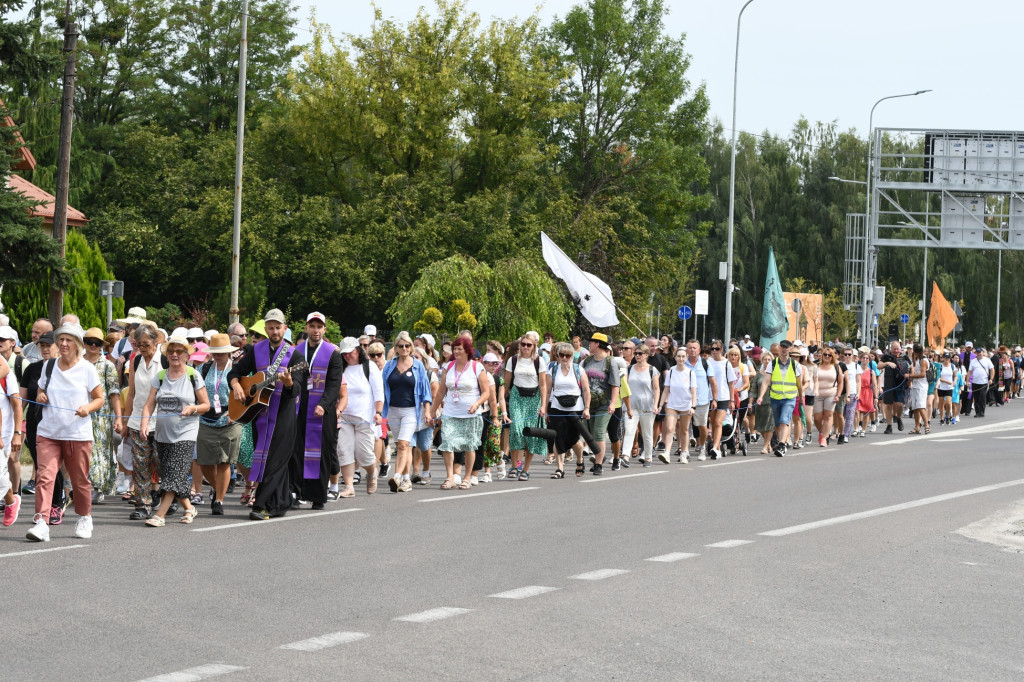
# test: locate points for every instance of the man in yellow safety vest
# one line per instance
(784, 387)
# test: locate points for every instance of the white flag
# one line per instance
(591, 295)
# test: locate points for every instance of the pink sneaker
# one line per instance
(56, 516)
(11, 511)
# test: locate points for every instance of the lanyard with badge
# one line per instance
(216, 386)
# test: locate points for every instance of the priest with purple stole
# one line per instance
(315, 458)
(274, 428)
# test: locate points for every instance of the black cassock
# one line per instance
(315, 489)
(274, 492)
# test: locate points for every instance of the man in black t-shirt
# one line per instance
(893, 366)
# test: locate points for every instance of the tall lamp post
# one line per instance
(868, 304)
(732, 182)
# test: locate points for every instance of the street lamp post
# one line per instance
(869, 256)
(732, 182)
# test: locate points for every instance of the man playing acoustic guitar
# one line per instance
(275, 427)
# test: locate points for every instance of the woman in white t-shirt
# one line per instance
(678, 399)
(361, 418)
(70, 391)
(462, 391)
(724, 375)
(520, 398)
(569, 401)
(741, 391)
(645, 395)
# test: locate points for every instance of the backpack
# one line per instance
(575, 371)
(902, 366)
(20, 363)
(138, 358)
(932, 373)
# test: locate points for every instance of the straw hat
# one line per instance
(220, 343)
(179, 341)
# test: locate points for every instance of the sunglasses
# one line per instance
(176, 351)
(403, 345)
(93, 342)
(716, 348)
(525, 345)
(565, 356)
(364, 345)
(376, 355)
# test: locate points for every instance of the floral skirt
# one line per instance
(176, 467)
(247, 447)
(523, 412)
(461, 434)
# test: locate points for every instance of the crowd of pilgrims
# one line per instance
(144, 415)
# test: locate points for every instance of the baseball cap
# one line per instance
(429, 338)
(274, 315)
(370, 330)
(491, 357)
(969, 344)
(348, 344)
(316, 316)
(7, 332)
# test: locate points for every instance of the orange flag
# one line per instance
(941, 319)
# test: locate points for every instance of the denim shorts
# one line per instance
(782, 410)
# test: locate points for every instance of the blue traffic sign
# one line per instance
(685, 312)
(904, 318)
(876, 319)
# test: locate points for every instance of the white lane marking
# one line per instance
(456, 496)
(971, 563)
(674, 556)
(619, 478)
(432, 615)
(950, 440)
(888, 510)
(1007, 437)
(599, 574)
(280, 518)
(524, 592)
(1012, 425)
(325, 641)
(725, 464)
(200, 672)
(729, 544)
(40, 551)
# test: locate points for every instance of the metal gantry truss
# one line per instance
(944, 189)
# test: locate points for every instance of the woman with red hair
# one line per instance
(463, 390)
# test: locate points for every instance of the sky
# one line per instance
(821, 59)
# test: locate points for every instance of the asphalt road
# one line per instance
(836, 564)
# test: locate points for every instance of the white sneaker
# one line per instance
(685, 459)
(40, 530)
(874, 427)
(458, 479)
(701, 457)
(486, 478)
(83, 529)
(501, 471)
(425, 478)
(474, 480)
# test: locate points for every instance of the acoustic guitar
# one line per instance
(258, 389)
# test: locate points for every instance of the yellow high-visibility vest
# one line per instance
(783, 383)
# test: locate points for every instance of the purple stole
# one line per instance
(268, 418)
(314, 426)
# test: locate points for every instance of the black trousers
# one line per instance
(980, 398)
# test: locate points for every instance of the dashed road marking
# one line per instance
(200, 672)
(431, 615)
(728, 544)
(725, 464)
(524, 592)
(619, 478)
(674, 556)
(40, 551)
(297, 517)
(599, 574)
(456, 496)
(325, 641)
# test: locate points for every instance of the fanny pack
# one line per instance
(527, 392)
(567, 400)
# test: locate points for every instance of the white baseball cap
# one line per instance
(7, 332)
(179, 331)
(370, 330)
(969, 344)
(429, 338)
(348, 344)
(194, 333)
(316, 316)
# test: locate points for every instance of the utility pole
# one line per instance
(60, 207)
(236, 236)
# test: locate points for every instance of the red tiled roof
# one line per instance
(27, 161)
(43, 210)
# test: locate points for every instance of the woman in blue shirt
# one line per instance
(406, 397)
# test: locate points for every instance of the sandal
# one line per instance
(581, 469)
(915, 432)
(448, 484)
(189, 514)
(559, 473)
(927, 429)
(549, 460)
(465, 485)
(525, 476)
(347, 492)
